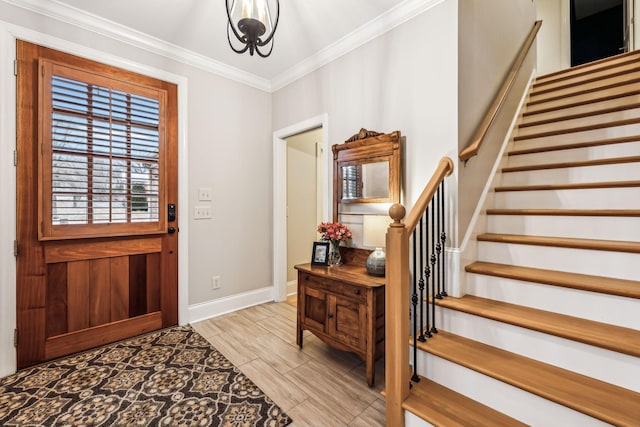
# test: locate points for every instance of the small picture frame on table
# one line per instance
(320, 254)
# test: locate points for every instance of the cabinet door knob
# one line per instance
(330, 315)
(306, 277)
(357, 292)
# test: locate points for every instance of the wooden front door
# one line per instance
(96, 172)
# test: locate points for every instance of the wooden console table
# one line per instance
(344, 307)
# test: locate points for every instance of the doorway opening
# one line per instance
(304, 199)
(599, 29)
(280, 234)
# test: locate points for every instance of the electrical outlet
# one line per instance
(202, 212)
(204, 194)
(215, 282)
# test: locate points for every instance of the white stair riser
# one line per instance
(586, 70)
(603, 308)
(597, 198)
(609, 151)
(600, 173)
(578, 137)
(594, 87)
(512, 401)
(582, 227)
(411, 420)
(581, 109)
(588, 79)
(621, 265)
(589, 97)
(601, 364)
(600, 119)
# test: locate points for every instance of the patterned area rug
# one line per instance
(172, 377)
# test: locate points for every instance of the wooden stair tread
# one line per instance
(574, 129)
(567, 212)
(610, 337)
(570, 146)
(587, 68)
(606, 402)
(564, 117)
(594, 162)
(569, 186)
(562, 242)
(442, 406)
(589, 91)
(592, 76)
(582, 100)
(585, 282)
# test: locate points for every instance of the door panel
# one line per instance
(79, 293)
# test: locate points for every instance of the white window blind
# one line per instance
(352, 182)
(105, 154)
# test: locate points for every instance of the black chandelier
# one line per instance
(251, 23)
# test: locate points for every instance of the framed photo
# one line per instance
(320, 255)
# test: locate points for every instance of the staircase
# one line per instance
(548, 333)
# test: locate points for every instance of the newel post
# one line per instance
(397, 370)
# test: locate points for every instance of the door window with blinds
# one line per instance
(102, 155)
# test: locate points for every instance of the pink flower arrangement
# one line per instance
(334, 231)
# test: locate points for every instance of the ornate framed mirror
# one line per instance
(366, 169)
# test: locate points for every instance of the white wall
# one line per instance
(404, 80)
(230, 152)
(491, 34)
(222, 147)
(553, 38)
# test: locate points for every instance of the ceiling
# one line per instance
(310, 32)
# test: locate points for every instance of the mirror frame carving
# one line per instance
(362, 148)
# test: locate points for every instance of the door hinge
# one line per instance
(15, 248)
(15, 157)
(15, 67)
(15, 337)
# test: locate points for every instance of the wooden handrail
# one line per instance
(444, 169)
(498, 102)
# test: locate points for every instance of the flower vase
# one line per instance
(334, 253)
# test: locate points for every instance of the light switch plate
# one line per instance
(204, 194)
(202, 212)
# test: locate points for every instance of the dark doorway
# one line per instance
(597, 29)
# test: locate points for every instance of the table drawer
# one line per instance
(355, 293)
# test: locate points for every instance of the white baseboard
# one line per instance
(218, 307)
(292, 287)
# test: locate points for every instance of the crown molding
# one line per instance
(71, 15)
(394, 17)
(389, 20)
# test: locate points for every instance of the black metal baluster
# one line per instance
(421, 283)
(438, 244)
(443, 238)
(434, 330)
(414, 302)
(427, 272)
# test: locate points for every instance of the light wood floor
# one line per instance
(316, 385)
(292, 300)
